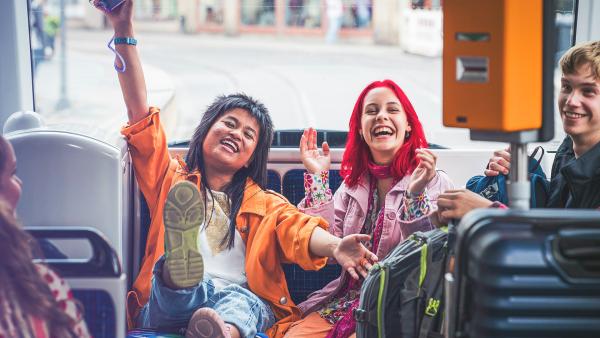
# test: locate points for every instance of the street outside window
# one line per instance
(303, 13)
(258, 12)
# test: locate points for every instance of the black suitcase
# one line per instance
(525, 274)
(402, 296)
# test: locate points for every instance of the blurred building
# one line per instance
(415, 25)
(385, 21)
(280, 17)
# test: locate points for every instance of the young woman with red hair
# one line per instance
(390, 186)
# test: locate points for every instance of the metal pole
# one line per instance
(519, 191)
(63, 101)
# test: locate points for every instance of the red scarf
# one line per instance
(379, 171)
(346, 326)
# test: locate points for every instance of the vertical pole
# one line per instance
(63, 101)
(519, 191)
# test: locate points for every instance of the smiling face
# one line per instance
(383, 124)
(231, 141)
(10, 184)
(579, 106)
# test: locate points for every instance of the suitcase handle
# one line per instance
(577, 252)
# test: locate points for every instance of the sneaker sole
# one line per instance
(206, 323)
(183, 215)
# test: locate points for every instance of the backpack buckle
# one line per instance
(432, 307)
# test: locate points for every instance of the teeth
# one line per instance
(573, 115)
(230, 144)
(382, 130)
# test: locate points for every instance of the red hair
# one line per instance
(357, 153)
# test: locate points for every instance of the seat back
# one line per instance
(72, 180)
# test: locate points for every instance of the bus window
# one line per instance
(306, 71)
(564, 37)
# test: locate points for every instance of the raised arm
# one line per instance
(133, 85)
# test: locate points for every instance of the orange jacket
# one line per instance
(274, 230)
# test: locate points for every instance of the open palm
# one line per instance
(353, 256)
(314, 160)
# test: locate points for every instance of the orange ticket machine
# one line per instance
(498, 68)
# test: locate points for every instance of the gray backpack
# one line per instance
(402, 297)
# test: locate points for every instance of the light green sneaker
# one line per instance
(183, 215)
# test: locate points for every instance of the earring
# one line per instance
(407, 135)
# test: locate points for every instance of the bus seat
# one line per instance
(70, 180)
(273, 181)
(96, 280)
(302, 283)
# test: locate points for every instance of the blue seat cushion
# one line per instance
(98, 312)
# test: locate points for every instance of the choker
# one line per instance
(380, 171)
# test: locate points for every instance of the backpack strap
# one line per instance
(535, 163)
(381, 296)
(433, 287)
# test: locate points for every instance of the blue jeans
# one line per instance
(168, 308)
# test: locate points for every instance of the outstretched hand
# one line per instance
(353, 256)
(314, 161)
(424, 172)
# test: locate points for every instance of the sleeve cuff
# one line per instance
(415, 206)
(130, 130)
(498, 205)
(303, 243)
(316, 189)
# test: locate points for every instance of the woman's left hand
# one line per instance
(424, 172)
(353, 256)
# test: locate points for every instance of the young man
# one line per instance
(576, 169)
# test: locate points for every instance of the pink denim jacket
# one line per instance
(346, 214)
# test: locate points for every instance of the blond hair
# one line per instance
(581, 55)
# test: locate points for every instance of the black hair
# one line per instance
(257, 168)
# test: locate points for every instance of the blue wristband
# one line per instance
(125, 41)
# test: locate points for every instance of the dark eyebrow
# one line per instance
(238, 121)
(232, 118)
(583, 84)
